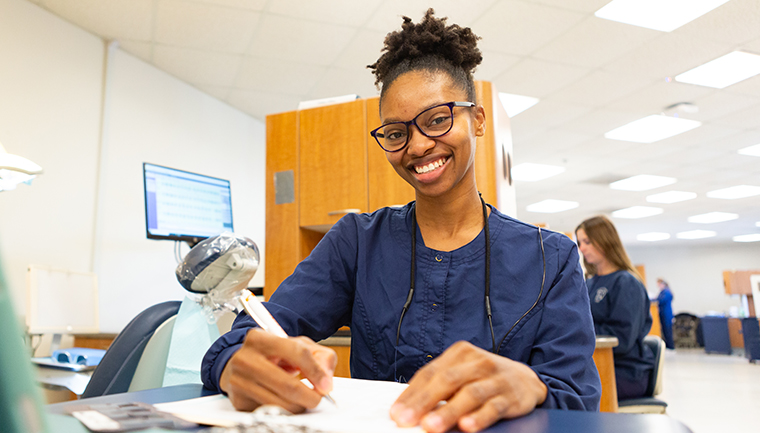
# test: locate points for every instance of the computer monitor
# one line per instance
(184, 206)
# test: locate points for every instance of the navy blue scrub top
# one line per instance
(620, 306)
(358, 275)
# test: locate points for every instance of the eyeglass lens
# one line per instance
(432, 122)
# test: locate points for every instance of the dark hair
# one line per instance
(604, 236)
(430, 46)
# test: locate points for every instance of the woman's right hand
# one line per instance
(264, 371)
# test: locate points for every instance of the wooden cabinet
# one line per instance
(332, 163)
(332, 166)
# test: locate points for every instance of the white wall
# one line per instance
(50, 94)
(153, 117)
(86, 211)
(695, 274)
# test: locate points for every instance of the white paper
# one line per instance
(362, 406)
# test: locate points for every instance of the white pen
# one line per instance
(264, 319)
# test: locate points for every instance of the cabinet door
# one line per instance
(332, 163)
(386, 187)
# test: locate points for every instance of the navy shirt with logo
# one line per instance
(358, 275)
(620, 306)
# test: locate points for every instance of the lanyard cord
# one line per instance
(488, 274)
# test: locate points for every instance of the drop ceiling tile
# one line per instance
(546, 115)
(115, 19)
(337, 82)
(582, 46)
(364, 49)
(387, 17)
(343, 12)
(555, 140)
(667, 56)
(600, 88)
(747, 118)
(734, 22)
(522, 28)
(278, 76)
(494, 64)
(656, 96)
(720, 104)
(597, 122)
(218, 92)
(141, 50)
(202, 26)
(298, 40)
(538, 78)
(260, 104)
(198, 67)
(750, 86)
(708, 132)
(254, 5)
(576, 5)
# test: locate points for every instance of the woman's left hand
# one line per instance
(479, 388)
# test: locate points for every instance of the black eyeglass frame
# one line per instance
(451, 106)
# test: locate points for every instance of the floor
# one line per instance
(712, 393)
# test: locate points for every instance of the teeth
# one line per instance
(430, 167)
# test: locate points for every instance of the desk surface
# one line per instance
(541, 420)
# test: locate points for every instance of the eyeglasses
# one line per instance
(433, 122)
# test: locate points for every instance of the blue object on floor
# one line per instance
(751, 333)
(715, 333)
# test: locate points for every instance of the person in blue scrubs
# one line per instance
(619, 303)
(665, 307)
(466, 304)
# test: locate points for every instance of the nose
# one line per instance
(418, 143)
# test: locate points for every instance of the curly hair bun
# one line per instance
(429, 45)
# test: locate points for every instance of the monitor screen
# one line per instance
(185, 206)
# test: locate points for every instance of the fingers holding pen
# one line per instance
(261, 372)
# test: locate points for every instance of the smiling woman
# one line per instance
(464, 303)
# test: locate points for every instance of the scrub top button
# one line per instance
(438, 258)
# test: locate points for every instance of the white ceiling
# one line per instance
(592, 75)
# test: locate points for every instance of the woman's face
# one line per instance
(433, 166)
(589, 251)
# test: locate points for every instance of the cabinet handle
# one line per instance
(343, 211)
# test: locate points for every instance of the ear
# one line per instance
(480, 121)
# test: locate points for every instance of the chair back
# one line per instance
(657, 345)
(117, 368)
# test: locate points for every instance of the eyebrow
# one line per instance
(395, 119)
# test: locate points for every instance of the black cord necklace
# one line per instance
(488, 273)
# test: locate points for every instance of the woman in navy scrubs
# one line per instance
(464, 303)
(619, 303)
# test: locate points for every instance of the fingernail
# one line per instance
(467, 423)
(432, 422)
(325, 384)
(406, 418)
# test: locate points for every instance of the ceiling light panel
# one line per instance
(723, 71)
(642, 182)
(750, 151)
(529, 172)
(552, 206)
(662, 15)
(696, 234)
(652, 128)
(671, 197)
(516, 104)
(754, 237)
(635, 212)
(653, 236)
(735, 192)
(712, 217)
